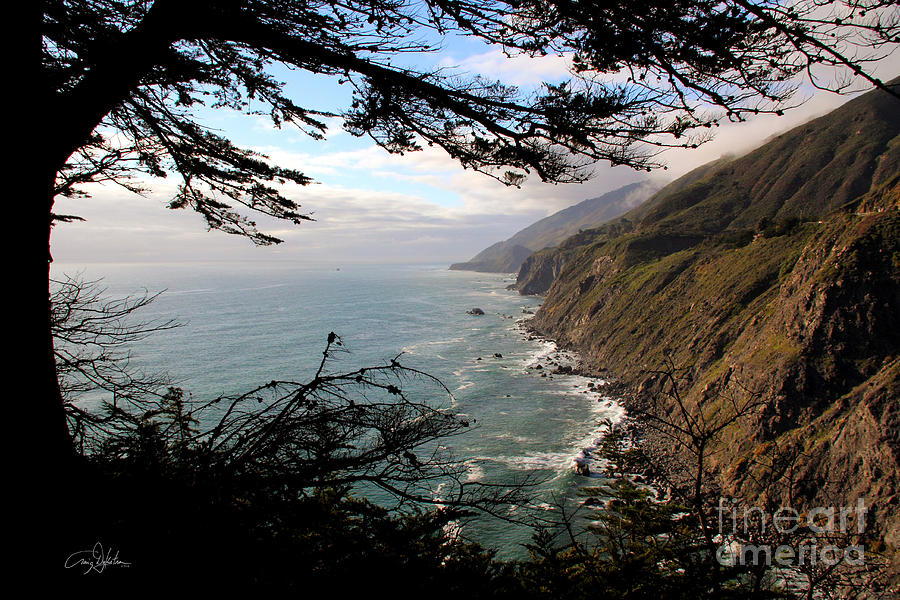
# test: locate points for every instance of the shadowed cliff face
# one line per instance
(780, 272)
(539, 271)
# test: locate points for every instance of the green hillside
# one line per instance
(777, 272)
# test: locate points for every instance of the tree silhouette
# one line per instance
(120, 82)
(307, 466)
(92, 336)
(138, 69)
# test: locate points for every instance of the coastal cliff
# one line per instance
(539, 270)
(777, 273)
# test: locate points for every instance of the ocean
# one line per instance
(246, 324)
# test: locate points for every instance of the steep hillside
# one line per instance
(779, 272)
(508, 255)
(543, 266)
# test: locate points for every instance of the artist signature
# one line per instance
(95, 560)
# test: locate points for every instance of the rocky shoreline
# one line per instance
(659, 456)
(608, 387)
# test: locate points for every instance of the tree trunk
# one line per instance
(39, 448)
(49, 403)
(52, 471)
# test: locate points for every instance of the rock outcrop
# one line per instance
(538, 272)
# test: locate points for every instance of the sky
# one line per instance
(370, 206)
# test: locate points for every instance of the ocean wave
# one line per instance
(197, 291)
(537, 461)
(544, 350)
(475, 472)
(413, 347)
(259, 287)
(606, 411)
(519, 439)
(610, 412)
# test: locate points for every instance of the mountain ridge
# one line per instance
(779, 272)
(507, 256)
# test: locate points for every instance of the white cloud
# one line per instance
(476, 192)
(740, 138)
(335, 127)
(520, 70)
(353, 223)
(373, 206)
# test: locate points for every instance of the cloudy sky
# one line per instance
(368, 205)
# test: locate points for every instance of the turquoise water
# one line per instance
(246, 325)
